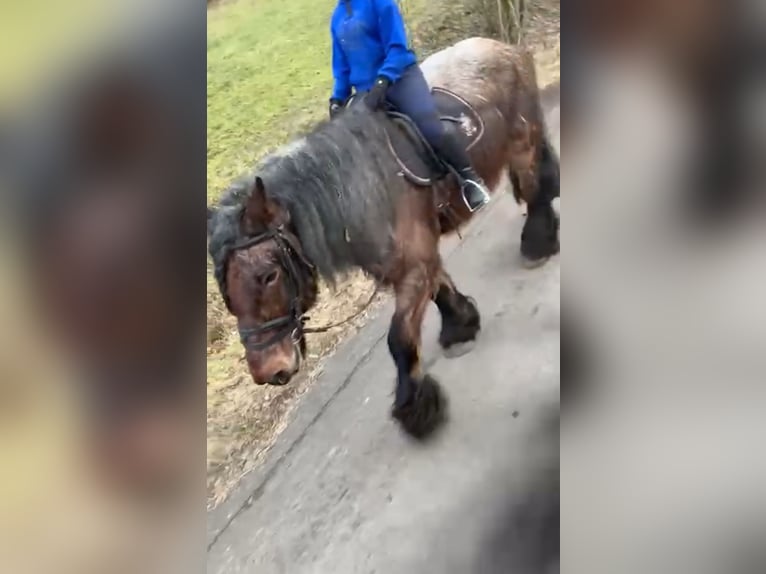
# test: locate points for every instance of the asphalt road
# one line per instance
(345, 491)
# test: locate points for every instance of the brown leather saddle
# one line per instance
(417, 161)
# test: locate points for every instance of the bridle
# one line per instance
(293, 322)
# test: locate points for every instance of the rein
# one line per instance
(294, 321)
(358, 312)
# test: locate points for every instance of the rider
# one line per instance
(370, 53)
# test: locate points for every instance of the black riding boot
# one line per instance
(475, 192)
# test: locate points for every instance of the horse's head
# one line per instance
(267, 283)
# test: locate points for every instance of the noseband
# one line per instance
(292, 322)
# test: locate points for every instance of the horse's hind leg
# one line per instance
(536, 181)
(419, 404)
(461, 321)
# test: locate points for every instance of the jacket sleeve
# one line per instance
(340, 69)
(394, 37)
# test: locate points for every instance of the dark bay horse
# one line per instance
(333, 201)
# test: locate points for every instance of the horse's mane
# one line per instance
(339, 185)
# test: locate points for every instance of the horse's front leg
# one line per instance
(461, 321)
(419, 404)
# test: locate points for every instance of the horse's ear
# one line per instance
(261, 211)
(259, 187)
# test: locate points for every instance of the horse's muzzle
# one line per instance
(282, 378)
(283, 375)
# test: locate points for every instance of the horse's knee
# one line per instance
(535, 175)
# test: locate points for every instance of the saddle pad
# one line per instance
(417, 161)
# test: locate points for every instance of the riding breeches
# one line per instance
(411, 96)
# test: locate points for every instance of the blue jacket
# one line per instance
(371, 42)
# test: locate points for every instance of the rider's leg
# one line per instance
(475, 192)
(412, 96)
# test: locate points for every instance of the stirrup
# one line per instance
(485, 195)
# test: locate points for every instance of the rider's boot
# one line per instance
(475, 192)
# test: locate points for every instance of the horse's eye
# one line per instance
(270, 277)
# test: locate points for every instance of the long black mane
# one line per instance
(339, 185)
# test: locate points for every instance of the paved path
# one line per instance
(345, 492)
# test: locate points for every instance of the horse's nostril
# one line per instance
(282, 378)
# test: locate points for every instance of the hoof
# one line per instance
(527, 263)
(459, 349)
(540, 237)
(425, 412)
(458, 336)
(458, 339)
(537, 255)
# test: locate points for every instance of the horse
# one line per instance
(334, 200)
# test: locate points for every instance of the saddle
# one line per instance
(417, 161)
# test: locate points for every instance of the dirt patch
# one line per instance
(244, 419)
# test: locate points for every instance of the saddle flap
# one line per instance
(418, 162)
(462, 116)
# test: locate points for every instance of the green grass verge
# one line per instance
(268, 76)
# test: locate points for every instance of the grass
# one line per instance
(268, 75)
